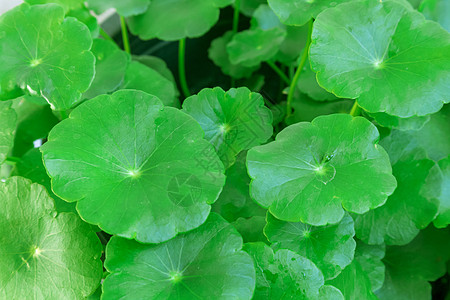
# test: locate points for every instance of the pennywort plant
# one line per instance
(225, 149)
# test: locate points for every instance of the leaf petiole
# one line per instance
(237, 4)
(356, 109)
(298, 71)
(105, 35)
(126, 42)
(12, 160)
(279, 72)
(182, 68)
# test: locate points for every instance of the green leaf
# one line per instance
(298, 12)
(110, 66)
(411, 207)
(437, 10)
(314, 170)
(331, 248)
(251, 47)
(369, 257)
(137, 169)
(410, 267)
(8, 120)
(141, 77)
(293, 44)
(354, 283)
(413, 123)
(177, 19)
(307, 84)
(381, 53)
(265, 18)
(205, 263)
(46, 56)
(283, 274)
(234, 201)
(35, 119)
(248, 7)
(44, 255)
(443, 219)
(233, 121)
(157, 64)
(84, 16)
(124, 8)
(66, 4)
(329, 292)
(251, 229)
(31, 167)
(219, 55)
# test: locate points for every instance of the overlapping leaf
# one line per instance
(137, 169)
(44, 255)
(46, 56)
(314, 170)
(206, 263)
(8, 120)
(123, 8)
(437, 10)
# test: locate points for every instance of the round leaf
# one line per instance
(369, 257)
(8, 120)
(110, 66)
(124, 8)
(330, 248)
(44, 256)
(410, 208)
(248, 7)
(219, 55)
(47, 56)
(283, 274)
(437, 10)
(443, 219)
(84, 16)
(157, 64)
(413, 123)
(384, 54)
(298, 12)
(137, 169)
(233, 121)
(307, 83)
(314, 170)
(177, 19)
(141, 77)
(205, 263)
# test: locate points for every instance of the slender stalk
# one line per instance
(237, 5)
(356, 110)
(294, 81)
(126, 42)
(233, 82)
(105, 35)
(12, 160)
(182, 68)
(279, 72)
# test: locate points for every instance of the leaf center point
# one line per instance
(378, 64)
(35, 62)
(175, 276)
(134, 173)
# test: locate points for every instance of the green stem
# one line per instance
(279, 72)
(237, 5)
(126, 42)
(356, 110)
(233, 82)
(12, 160)
(105, 35)
(182, 69)
(298, 71)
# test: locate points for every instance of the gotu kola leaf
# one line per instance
(138, 169)
(66, 4)
(331, 248)
(233, 121)
(205, 263)
(47, 56)
(44, 255)
(385, 54)
(437, 10)
(123, 8)
(443, 218)
(177, 19)
(8, 120)
(314, 170)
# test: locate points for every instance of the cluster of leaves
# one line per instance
(115, 186)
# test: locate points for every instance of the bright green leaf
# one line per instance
(205, 263)
(31, 167)
(110, 66)
(314, 170)
(331, 248)
(411, 207)
(157, 64)
(248, 7)
(307, 84)
(412, 123)
(177, 19)
(84, 16)
(329, 292)
(219, 55)
(385, 54)
(369, 257)
(8, 120)
(410, 267)
(233, 121)
(251, 229)
(137, 169)
(66, 4)
(283, 274)
(48, 56)
(44, 255)
(124, 8)
(298, 12)
(437, 10)
(443, 219)
(251, 47)
(141, 77)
